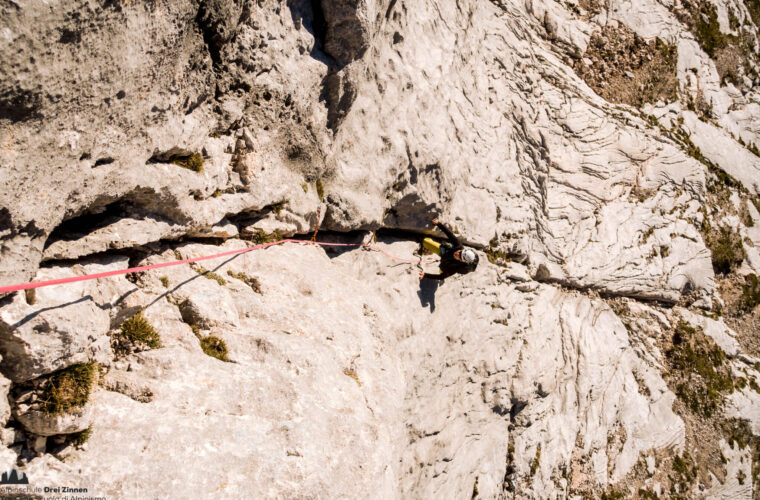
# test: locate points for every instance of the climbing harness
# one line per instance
(73, 279)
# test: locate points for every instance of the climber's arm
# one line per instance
(453, 239)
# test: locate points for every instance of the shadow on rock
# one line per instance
(426, 293)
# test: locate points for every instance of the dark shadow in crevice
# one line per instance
(95, 218)
(309, 14)
(337, 94)
(209, 36)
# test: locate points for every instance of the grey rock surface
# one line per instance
(137, 133)
(349, 358)
(64, 326)
(43, 424)
(5, 406)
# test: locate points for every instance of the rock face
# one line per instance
(5, 407)
(39, 423)
(602, 158)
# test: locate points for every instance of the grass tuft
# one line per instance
(699, 365)
(215, 347)
(536, 461)
(210, 275)
(687, 472)
(192, 162)
(69, 388)
(260, 237)
(750, 293)
(81, 437)
(320, 190)
(138, 331)
(164, 281)
(727, 250)
(251, 281)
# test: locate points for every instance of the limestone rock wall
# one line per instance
(609, 228)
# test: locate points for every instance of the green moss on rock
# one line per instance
(192, 162)
(210, 275)
(215, 347)
(699, 369)
(320, 189)
(750, 293)
(260, 237)
(81, 437)
(727, 250)
(251, 281)
(69, 388)
(137, 331)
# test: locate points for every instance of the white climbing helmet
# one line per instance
(469, 256)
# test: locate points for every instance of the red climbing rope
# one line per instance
(72, 279)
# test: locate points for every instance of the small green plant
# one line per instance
(215, 347)
(320, 189)
(706, 28)
(647, 495)
(698, 365)
(137, 331)
(750, 293)
(196, 330)
(277, 208)
(192, 162)
(164, 281)
(210, 275)
(739, 433)
(81, 437)
(727, 250)
(217, 193)
(305, 187)
(260, 237)
(536, 461)
(251, 281)
(612, 495)
(683, 466)
(496, 256)
(69, 388)
(746, 218)
(754, 385)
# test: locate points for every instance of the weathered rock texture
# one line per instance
(547, 377)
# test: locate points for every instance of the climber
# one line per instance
(455, 258)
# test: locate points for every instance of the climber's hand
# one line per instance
(435, 221)
(422, 274)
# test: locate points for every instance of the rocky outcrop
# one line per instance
(5, 407)
(597, 196)
(64, 327)
(380, 350)
(44, 424)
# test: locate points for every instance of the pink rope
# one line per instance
(73, 279)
